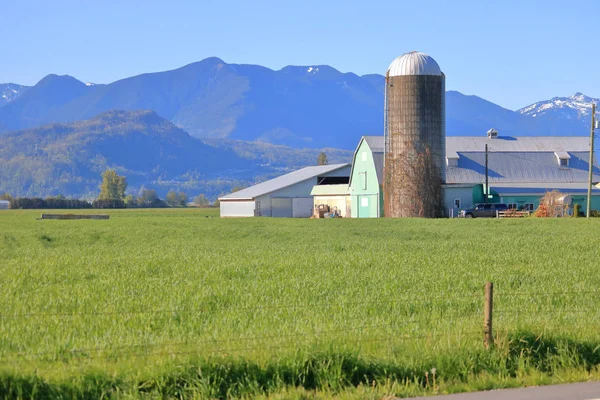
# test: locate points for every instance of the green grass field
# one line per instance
(180, 303)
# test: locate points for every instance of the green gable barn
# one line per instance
(366, 178)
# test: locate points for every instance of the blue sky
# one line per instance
(510, 52)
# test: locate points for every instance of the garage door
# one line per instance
(237, 208)
(281, 207)
(302, 207)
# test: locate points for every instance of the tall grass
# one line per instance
(163, 300)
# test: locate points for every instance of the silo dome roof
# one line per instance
(414, 63)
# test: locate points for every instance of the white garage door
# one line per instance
(237, 208)
(302, 207)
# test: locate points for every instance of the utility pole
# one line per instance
(591, 163)
(487, 187)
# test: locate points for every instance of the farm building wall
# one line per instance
(293, 201)
(456, 198)
(365, 188)
(237, 208)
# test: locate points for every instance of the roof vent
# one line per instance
(492, 134)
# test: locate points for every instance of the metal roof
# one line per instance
(580, 188)
(519, 167)
(414, 63)
(455, 144)
(513, 161)
(282, 182)
(330, 190)
(375, 143)
(378, 160)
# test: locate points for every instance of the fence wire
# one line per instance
(312, 338)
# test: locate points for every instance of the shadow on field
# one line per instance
(516, 354)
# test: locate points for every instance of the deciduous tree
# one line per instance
(113, 186)
(201, 200)
(172, 199)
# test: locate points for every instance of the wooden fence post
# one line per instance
(488, 338)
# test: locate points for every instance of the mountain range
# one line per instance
(208, 126)
(150, 151)
(308, 106)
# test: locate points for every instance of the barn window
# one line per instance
(563, 158)
(363, 180)
(364, 202)
(363, 156)
(457, 203)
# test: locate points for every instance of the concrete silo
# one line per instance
(415, 134)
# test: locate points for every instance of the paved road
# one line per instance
(572, 391)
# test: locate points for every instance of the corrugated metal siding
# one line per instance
(302, 207)
(237, 208)
(281, 207)
(525, 167)
(458, 144)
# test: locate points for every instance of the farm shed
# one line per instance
(4, 204)
(520, 171)
(336, 197)
(288, 195)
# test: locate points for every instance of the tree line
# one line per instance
(112, 195)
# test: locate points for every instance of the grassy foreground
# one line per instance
(174, 303)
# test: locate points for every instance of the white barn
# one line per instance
(285, 196)
(4, 204)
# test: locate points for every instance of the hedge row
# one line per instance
(58, 203)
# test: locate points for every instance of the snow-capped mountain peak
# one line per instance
(10, 91)
(577, 106)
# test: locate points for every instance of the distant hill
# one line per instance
(149, 150)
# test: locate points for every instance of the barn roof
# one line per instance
(511, 160)
(282, 181)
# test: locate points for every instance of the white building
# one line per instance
(285, 196)
(4, 204)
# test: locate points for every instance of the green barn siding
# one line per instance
(364, 167)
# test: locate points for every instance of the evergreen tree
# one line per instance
(322, 159)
